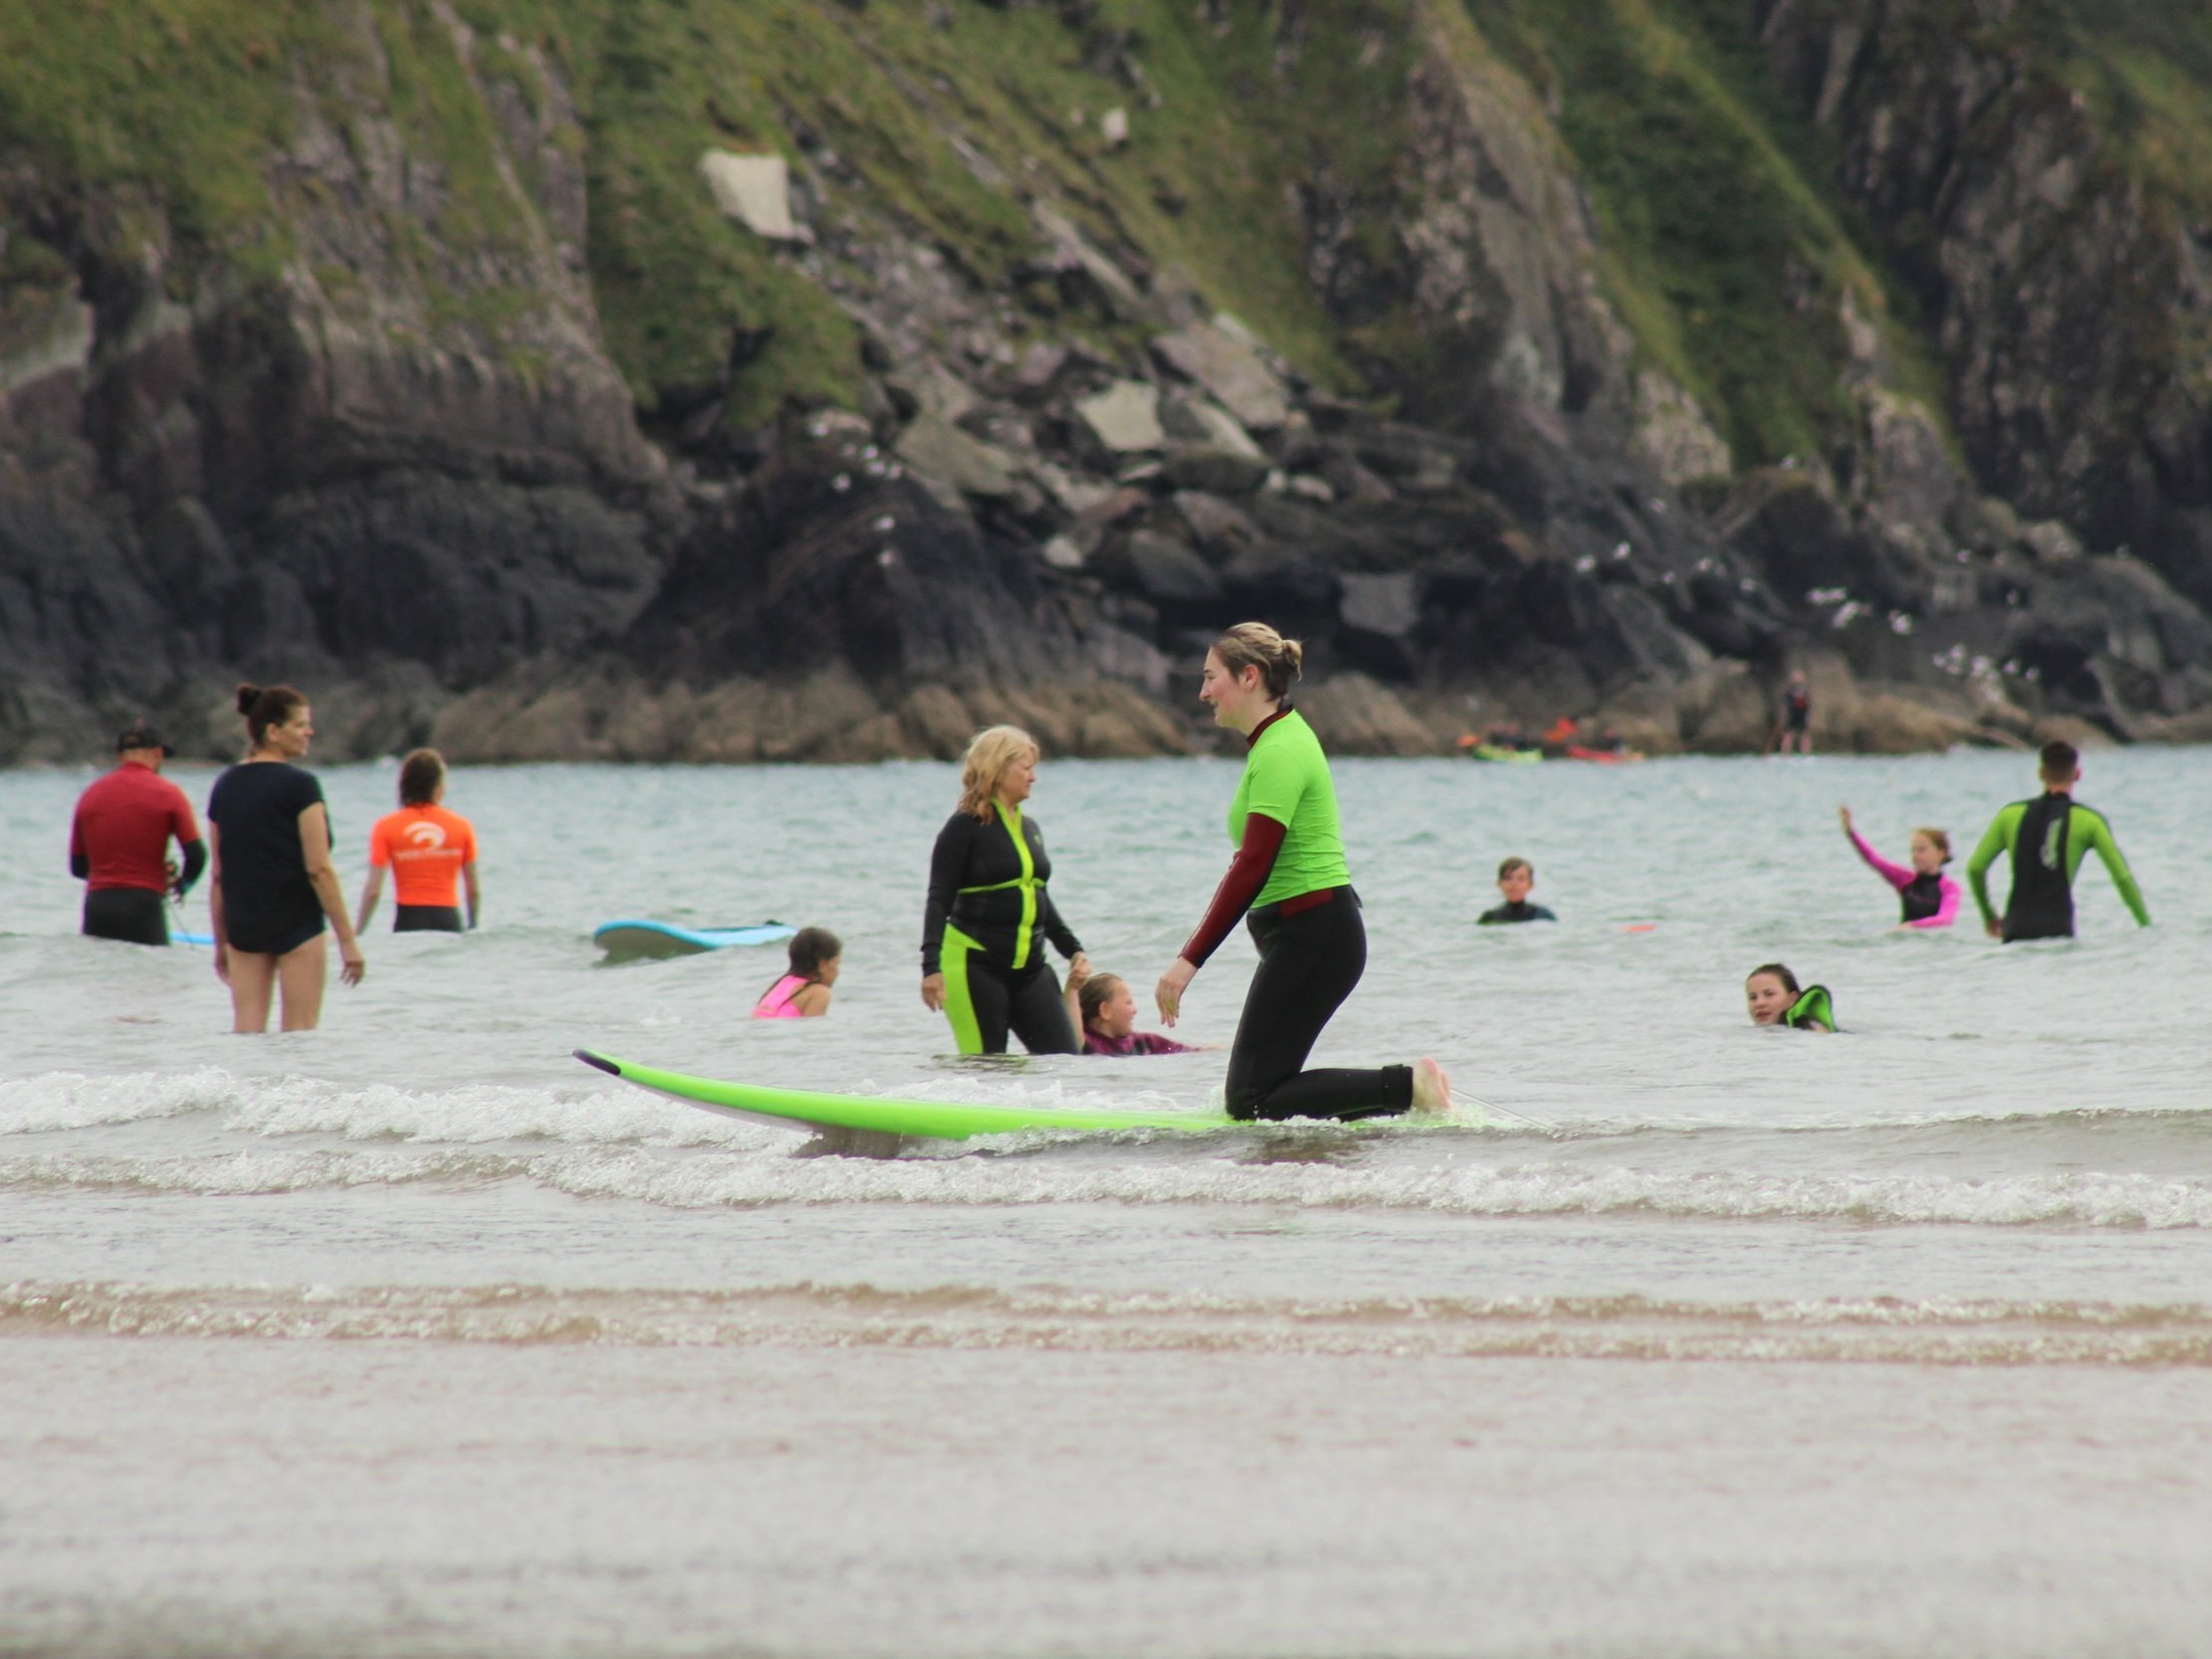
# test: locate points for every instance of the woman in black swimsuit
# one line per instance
(273, 883)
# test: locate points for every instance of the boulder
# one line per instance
(1219, 528)
(2066, 728)
(754, 191)
(1163, 569)
(1230, 372)
(1124, 419)
(1887, 723)
(1389, 605)
(937, 449)
(1207, 467)
(1355, 715)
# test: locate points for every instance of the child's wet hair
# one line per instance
(1789, 979)
(1517, 863)
(813, 947)
(1096, 990)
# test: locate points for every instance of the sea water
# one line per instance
(411, 1335)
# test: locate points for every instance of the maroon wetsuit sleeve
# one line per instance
(1247, 873)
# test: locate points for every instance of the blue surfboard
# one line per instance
(626, 940)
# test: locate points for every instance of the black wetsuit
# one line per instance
(1519, 911)
(2042, 902)
(1921, 897)
(426, 919)
(1797, 707)
(269, 903)
(987, 906)
(1309, 962)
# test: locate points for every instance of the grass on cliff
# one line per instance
(949, 119)
(1722, 245)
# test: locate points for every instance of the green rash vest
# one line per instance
(2085, 828)
(1286, 778)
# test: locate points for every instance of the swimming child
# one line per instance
(1514, 877)
(803, 993)
(1930, 897)
(1105, 1012)
(1773, 998)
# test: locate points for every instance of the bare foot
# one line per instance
(1432, 1089)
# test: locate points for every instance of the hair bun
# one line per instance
(248, 695)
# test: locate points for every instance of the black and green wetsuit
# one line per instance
(2047, 839)
(985, 927)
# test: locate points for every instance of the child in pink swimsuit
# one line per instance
(1930, 897)
(803, 993)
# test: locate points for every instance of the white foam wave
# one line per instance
(286, 1106)
(738, 1178)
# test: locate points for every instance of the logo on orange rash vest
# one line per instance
(422, 839)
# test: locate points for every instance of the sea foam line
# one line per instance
(1949, 1332)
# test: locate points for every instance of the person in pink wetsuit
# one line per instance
(1105, 1013)
(816, 954)
(1929, 897)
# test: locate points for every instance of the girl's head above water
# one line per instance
(815, 952)
(1109, 1007)
(1769, 993)
(1931, 850)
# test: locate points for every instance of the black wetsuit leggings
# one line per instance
(135, 915)
(985, 1000)
(426, 919)
(1309, 962)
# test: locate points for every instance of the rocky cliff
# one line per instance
(772, 379)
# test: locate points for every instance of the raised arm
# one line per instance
(2100, 837)
(1896, 875)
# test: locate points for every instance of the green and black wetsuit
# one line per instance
(984, 929)
(2047, 839)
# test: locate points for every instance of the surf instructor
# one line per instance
(989, 914)
(1290, 883)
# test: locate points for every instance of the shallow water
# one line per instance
(411, 1335)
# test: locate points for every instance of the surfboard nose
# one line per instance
(605, 1065)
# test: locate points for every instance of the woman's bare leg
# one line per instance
(301, 972)
(253, 980)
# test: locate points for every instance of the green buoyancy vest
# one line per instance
(1814, 1003)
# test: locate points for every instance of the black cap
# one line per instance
(138, 735)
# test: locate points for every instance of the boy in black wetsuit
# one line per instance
(2045, 839)
(1514, 877)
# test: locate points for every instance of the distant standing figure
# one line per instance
(989, 912)
(2045, 839)
(427, 848)
(1929, 897)
(273, 885)
(815, 956)
(118, 844)
(1514, 879)
(1797, 713)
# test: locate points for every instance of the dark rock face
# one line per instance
(410, 469)
(2069, 296)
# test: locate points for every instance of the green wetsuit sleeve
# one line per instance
(1995, 840)
(2099, 836)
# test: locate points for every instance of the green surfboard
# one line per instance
(933, 1120)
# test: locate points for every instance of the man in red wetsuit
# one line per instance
(119, 844)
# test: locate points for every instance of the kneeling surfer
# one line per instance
(1290, 876)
